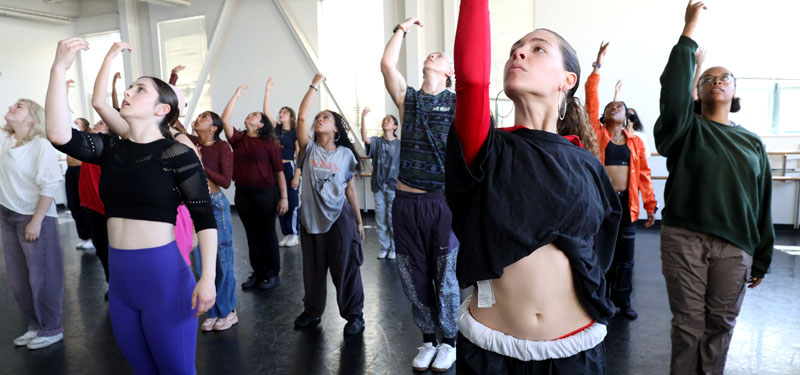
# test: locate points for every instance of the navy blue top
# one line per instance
(427, 120)
(286, 138)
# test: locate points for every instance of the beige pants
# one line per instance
(706, 278)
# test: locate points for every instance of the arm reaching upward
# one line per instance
(114, 98)
(364, 126)
(303, 122)
(266, 102)
(700, 55)
(56, 108)
(394, 81)
(226, 114)
(109, 114)
(473, 66)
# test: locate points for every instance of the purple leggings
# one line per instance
(149, 299)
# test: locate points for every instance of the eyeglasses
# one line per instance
(726, 79)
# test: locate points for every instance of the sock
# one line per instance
(429, 337)
(449, 341)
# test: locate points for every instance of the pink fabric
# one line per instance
(183, 233)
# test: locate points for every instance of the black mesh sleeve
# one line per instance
(91, 148)
(191, 183)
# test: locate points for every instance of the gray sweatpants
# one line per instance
(706, 280)
(35, 270)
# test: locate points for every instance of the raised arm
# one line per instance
(618, 91)
(226, 114)
(109, 114)
(676, 103)
(267, 91)
(57, 125)
(592, 96)
(303, 120)
(473, 55)
(114, 99)
(700, 56)
(364, 126)
(394, 81)
(173, 74)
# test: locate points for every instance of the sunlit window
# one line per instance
(769, 106)
(184, 42)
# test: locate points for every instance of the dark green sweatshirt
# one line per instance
(719, 176)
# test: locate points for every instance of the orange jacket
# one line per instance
(639, 174)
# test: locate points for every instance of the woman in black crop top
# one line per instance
(153, 299)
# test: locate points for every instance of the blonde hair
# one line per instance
(35, 112)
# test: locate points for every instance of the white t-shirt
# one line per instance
(26, 172)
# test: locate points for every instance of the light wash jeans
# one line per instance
(383, 215)
(225, 281)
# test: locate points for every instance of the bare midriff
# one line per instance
(404, 187)
(212, 187)
(619, 176)
(132, 234)
(535, 299)
(72, 162)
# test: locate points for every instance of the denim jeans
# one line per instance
(383, 216)
(225, 281)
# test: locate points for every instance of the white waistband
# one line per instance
(526, 350)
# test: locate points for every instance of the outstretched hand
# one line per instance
(602, 52)
(365, 112)
(66, 51)
(618, 87)
(700, 54)
(318, 78)
(116, 48)
(177, 69)
(692, 15)
(270, 83)
(240, 91)
(406, 25)
(117, 75)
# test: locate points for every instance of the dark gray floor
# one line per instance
(766, 340)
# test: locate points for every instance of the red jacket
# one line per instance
(639, 172)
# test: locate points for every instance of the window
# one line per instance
(768, 105)
(184, 42)
(91, 60)
(349, 53)
(511, 19)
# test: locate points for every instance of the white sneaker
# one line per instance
(87, 245)
(424, 358)
(445, 357)
(282, 242)
(293, 241)
(382, 254)
(25, 338)
(392, 255)
(41, 342)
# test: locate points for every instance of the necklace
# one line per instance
(618, 139)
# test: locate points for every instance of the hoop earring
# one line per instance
(337, 137)
(496, 98)
(561, 114)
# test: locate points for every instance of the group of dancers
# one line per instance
(539, 218)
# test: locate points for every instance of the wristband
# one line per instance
(596, 65)
(400, 27)
(314, 87)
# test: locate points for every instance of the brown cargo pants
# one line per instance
(706, 279)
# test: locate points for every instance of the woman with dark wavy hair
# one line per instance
(153, 298)
(716, 234)
(537, 255)
(260, 191)
(332, 228)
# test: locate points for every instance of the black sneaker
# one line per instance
(354, 326)
(628, 313)
(270, 283)
(306, 320)
(251, 282)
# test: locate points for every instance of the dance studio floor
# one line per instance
(766, 339)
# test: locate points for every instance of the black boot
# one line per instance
(354, 326)
(251, 282)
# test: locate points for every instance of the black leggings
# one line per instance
(620, 275)
(80, 214)
(257, 208)
(99, 237)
